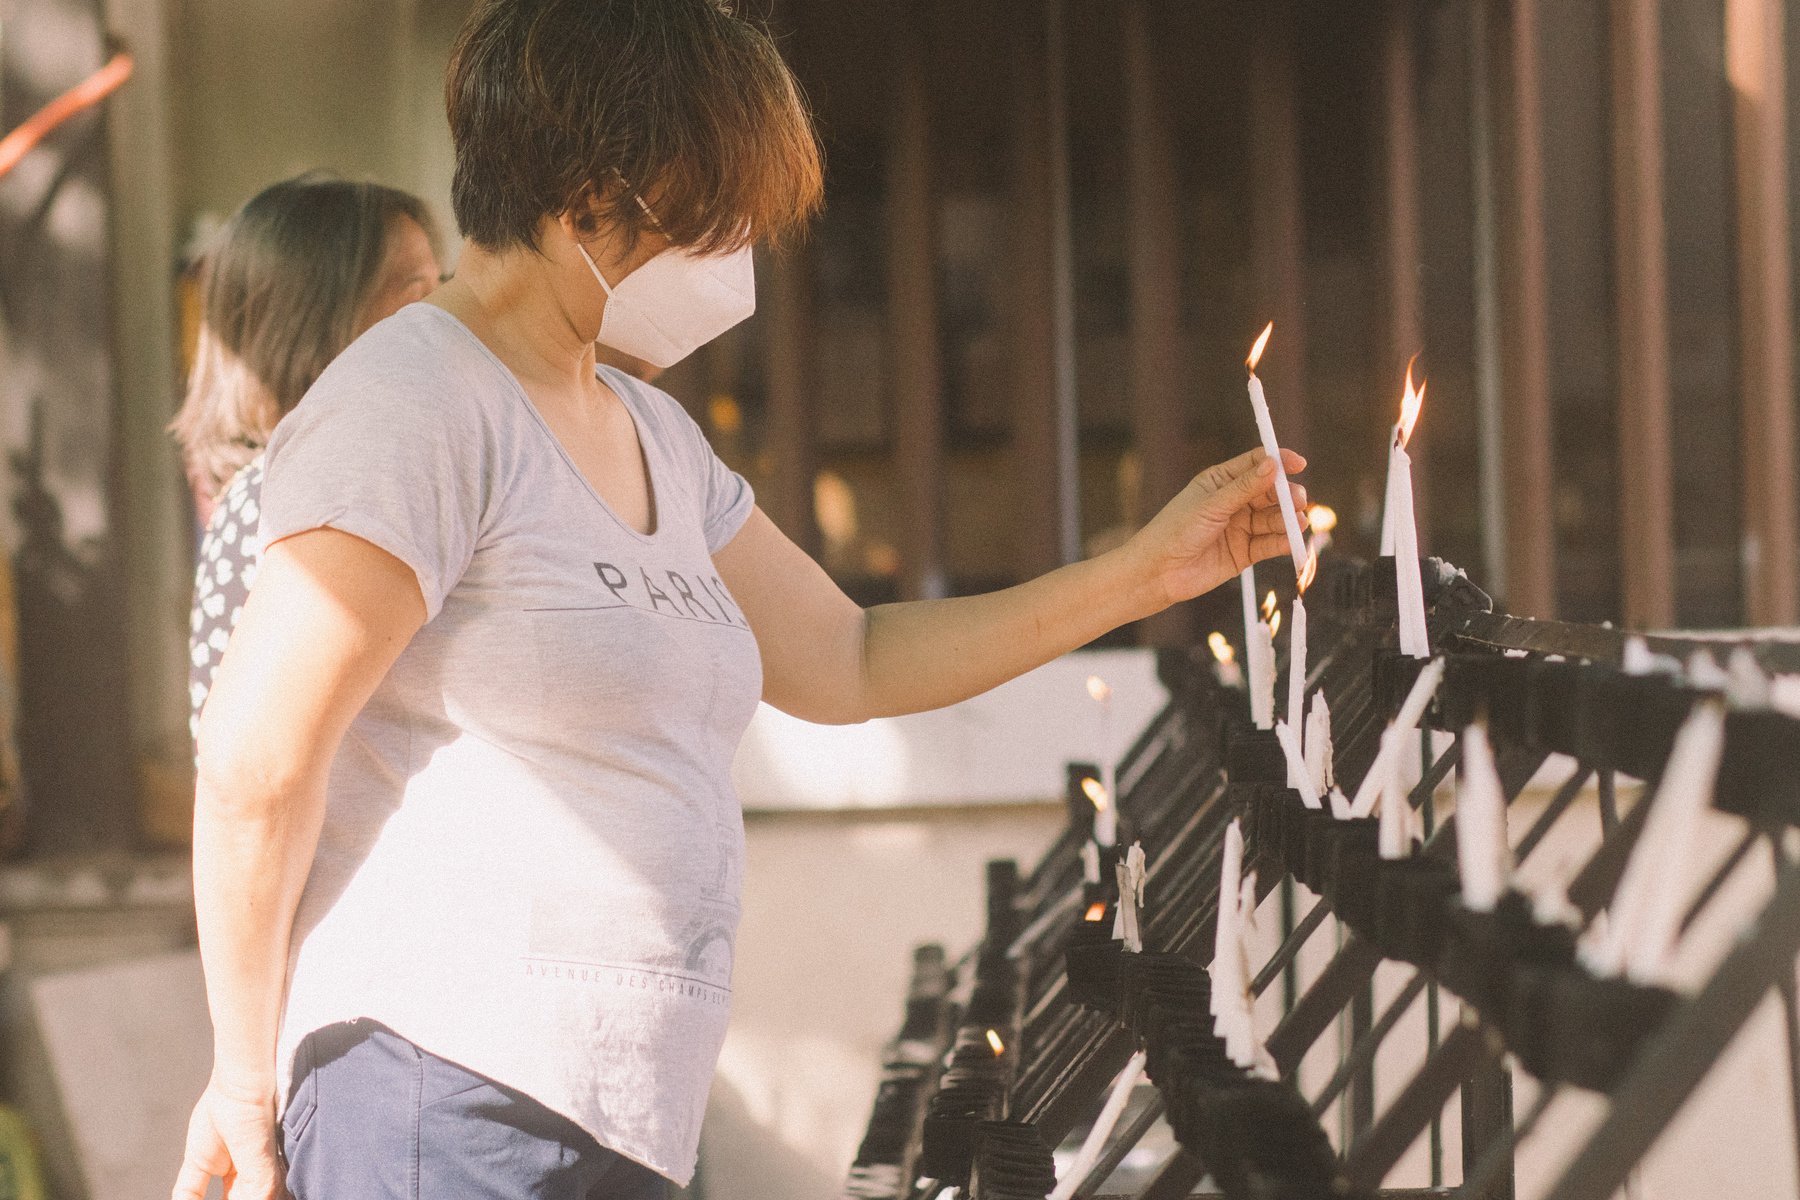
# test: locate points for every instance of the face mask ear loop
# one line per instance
(604, 286)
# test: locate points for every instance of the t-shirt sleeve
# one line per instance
(390, 457)
(728, 497)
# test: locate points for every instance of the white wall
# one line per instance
(833, 906)
(262, 91)
(1009, 745)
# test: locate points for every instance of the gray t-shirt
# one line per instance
(532, 852)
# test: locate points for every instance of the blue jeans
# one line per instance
(373, 1117)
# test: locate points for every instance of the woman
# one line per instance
(297, 274)
(466, 853)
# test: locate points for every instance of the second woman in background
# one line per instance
(297, 273)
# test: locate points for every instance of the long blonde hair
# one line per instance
(282, 294)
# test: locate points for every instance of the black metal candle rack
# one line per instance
(1069, 1006)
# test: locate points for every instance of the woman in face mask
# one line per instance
(467, 856)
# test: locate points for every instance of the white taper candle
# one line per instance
(1266, 428)
(1393, 740)
(1296, 698)
(1262, 676)
(1414, 640)
(1296, 761)
(1483, 854)
(1231, 870)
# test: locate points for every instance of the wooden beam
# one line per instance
(913, 345)
(1646, 498)
(1405, 303)
(1044, 428)
(791, 382)
(157, 513)
(1277, 228)
(1530, 533)
(1158, 430)
(1756, 65)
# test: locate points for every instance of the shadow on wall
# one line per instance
(745, 1160)
(70, 679)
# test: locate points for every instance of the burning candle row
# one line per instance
(1399, 538)
(1517, 969)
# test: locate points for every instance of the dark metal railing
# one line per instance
(1071, 1007)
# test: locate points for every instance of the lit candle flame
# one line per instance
(1095, 912)
(994, 1041)
(1098, 689)
(1410, 404)
(1256, 351)
(1269, 607)
(1220, 647)
(1312, 569)
(1095, 791)
(1321, 518)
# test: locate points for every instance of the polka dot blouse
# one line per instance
(229, 553)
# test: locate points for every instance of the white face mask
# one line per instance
(675, 303)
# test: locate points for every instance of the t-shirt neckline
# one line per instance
(639, 426)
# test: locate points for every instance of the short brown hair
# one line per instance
(282, 291)
(683, 103)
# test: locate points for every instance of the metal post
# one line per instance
(1756, 64)
(1044, 429)
(1646, 501)
(913, 313)
(1277, 230)
(1525, 449)
(1153, 244)
(1488, 381)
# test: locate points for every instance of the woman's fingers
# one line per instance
(1267, 545)
(1248, 464)
(1271, 501)
(1267, 520)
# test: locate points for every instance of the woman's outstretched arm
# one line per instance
(825, 659)
(328, 616)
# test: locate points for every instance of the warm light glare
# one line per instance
(1274, 624)
(1095, 912)
(998, 1045)
(726, 415)
(1095, 791)
(1269, 607)
(1098, 689)
(1410, 404)
(1321, 518)
(1256, 350)
(1220, 647)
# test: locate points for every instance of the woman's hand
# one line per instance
(232, 1137)
(1225, 519)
